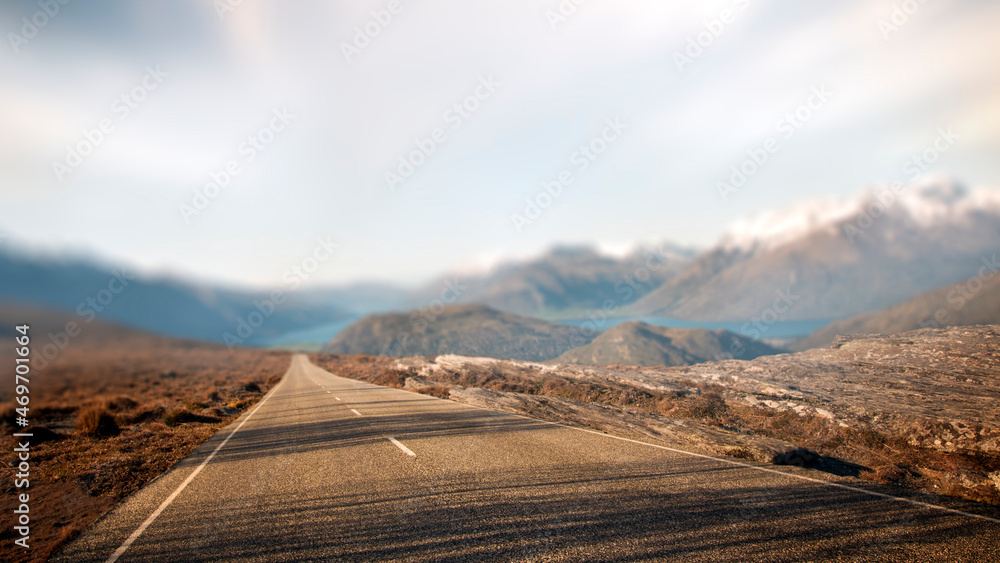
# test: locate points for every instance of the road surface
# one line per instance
(330, 469)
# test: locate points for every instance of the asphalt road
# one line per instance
(329, 469)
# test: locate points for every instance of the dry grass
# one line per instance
(439, 391)
(886, 459)
(123, 413)
(96, 422)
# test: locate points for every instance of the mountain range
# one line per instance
(565, 282)
(818, 261)
(91, 290)
(838, 258)
(973, 301)
(477, 330)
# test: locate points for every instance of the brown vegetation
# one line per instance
(96, 422)
(879, 456)
(117, 413)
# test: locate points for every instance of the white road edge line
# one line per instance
(758, 468)
(163, 506)
(356, 412)
(792, 475)
(406, 450)
(744, 465)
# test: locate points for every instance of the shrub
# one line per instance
(707, 405)
(121, 403)
(440, 391)
(239, 405)
(96, 422)
(392, 378)
(176, 417)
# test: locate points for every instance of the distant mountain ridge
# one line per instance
(566, 281)
(469, 330)
(822, 260)
(640, 344)
(975, 301)
(839, 260)
(161, 306)
(476, 330)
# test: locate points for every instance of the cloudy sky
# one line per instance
(182, 87)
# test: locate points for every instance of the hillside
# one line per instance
(566, 281)
(952, 305)
(472, 330)
(640, 344)
(933, 234)
(90, 291)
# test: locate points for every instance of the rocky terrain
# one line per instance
(640, 344)
(917, 409)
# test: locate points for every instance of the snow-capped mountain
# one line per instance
(930, 203)
(835, 258)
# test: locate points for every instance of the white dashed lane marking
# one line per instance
(406, 450)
